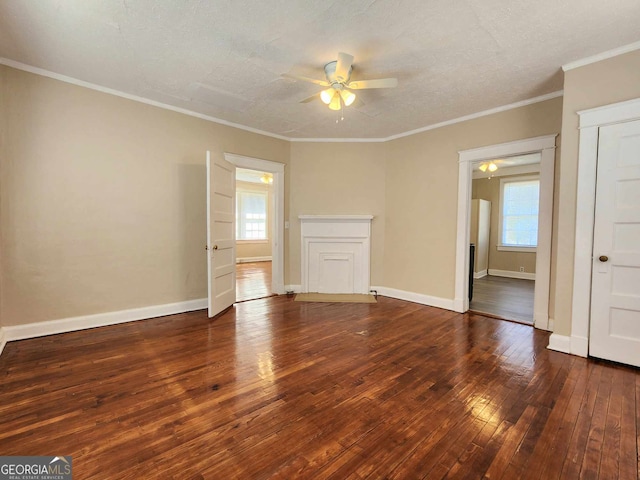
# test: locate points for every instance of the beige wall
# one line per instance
(252, 249)
(102, 200)
(338, 178)
(489, 189)
(422, 183)
(609, 81)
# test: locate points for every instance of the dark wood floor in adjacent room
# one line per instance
(280, 389)
(509, 298)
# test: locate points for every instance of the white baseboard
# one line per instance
(579, 346)
(253, 259)
(559, 343)
(3, 340)
(574, 345)
(510, 274)
(420, 298)
(480, 274)
(293, 288)
(40, 329)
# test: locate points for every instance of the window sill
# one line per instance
(507, 248)
(247, 242)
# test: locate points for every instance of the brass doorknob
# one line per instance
(603, 258)
(215, 247)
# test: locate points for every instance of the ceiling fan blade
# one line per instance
(311, 98)
(343, 66)
(379, 83)
(322, 83)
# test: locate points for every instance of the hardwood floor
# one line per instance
(280, 389)
(253, 280)
(509, 298)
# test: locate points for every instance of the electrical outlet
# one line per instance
(522, 269)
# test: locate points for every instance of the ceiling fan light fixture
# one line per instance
(336, 103)
(327, 95)
(347, 97)
(492, 167)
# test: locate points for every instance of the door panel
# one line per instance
(615, 287)
(221, 242)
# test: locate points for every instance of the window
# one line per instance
(251, 215)
(518, 223)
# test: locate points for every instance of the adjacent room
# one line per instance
(453, 184)
(504, 235)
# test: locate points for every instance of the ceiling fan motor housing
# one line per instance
(330, 72)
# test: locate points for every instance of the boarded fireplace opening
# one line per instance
(336, 251)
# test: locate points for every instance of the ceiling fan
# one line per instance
(338, 74)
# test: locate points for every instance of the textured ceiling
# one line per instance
(224, 58)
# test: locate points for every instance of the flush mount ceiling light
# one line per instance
(338, 74)
(492, 167)
(266, 178)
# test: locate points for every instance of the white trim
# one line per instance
(484, 113)
(252, 259)
(135, 98)
(601, 56)
(420, 298)
(52, 327)
(278, 236)
(339, 140)
(3, 340)
(546, 146)
(336, 218)
(590, 122)
(511, 274)
(559, 343)
(511, 248)
(579, 345)
(608, 114)
(480, 274)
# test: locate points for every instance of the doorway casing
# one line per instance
(590, 122)
(544, 145)
(277, 240)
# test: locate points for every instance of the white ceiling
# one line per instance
(223, 59)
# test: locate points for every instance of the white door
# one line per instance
(615, 283)
(221, 234)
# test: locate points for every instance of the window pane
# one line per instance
(251, 215)
(520, 201)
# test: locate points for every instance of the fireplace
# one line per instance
(336, 251)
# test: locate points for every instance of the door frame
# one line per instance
(590, 122)
(277, 237)
(545, 145)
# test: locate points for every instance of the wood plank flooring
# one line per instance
(253, 281)
(509, 298)
(280, 389)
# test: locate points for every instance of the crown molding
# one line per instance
(81, 83)
(483, 113)
(601, 56)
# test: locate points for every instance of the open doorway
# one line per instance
(254, 234)
(504, 236)
(275, 223)
(545, 146)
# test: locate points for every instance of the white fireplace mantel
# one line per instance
(336, 251)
